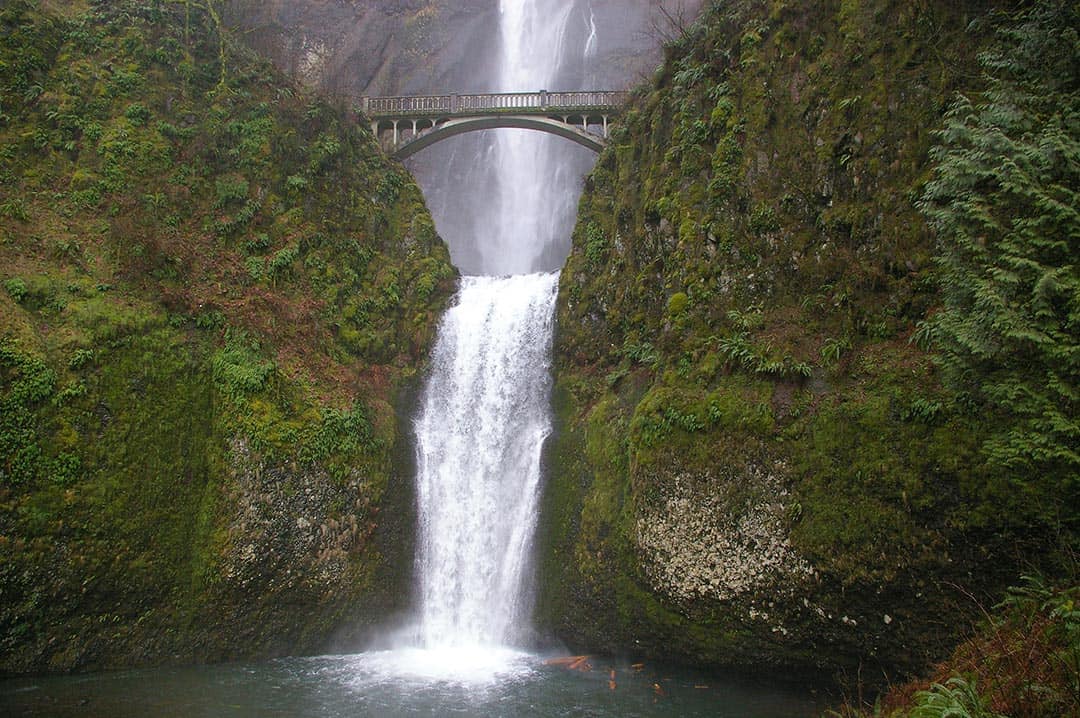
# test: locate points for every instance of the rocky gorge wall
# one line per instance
(215, 296)
(370, 47)
(392, 47)
(757, 462)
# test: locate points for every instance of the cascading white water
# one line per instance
(485, 411)
(483, 423)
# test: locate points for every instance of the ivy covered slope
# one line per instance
(214, 293)
(760, 457)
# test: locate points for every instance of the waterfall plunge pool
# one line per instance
(483, 422)
(462, 682)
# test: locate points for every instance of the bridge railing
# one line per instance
(421, 104)
(582, 100)
(542, 101)
(501, 101)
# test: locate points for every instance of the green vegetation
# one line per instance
(813, 304)
(215, 288)
(1023, 662)
(1004, 204)
(955, 698)
(29, 383)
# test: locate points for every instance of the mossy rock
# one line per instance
(755, 323)
(211, 301)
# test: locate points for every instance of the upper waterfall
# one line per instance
(524, 217)
(505, 200)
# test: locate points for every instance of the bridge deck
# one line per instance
(521, 103)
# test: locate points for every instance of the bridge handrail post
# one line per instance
(543, 99)
(453, 103)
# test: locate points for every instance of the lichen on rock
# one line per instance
(697, 543)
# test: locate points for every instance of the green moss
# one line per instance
(215, 285)
(677, 304)
(774, 266)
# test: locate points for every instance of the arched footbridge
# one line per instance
(406, 125)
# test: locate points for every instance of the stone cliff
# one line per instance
(759, 460)
(216, 294)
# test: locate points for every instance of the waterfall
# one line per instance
(505, 201)
(485, 410)
(483, 423)
(590, 42)
(522, 223)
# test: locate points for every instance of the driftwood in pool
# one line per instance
(573, 663)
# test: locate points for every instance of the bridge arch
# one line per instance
(419, 121)
(438, 131)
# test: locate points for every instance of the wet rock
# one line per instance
(271, 532)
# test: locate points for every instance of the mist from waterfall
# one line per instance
(506, 200)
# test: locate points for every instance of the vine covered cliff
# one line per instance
(772, 448)
(215, 293)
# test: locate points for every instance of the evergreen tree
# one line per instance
(1003, 202)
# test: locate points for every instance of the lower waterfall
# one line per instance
(480, 431)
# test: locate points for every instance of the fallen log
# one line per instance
(573, 663)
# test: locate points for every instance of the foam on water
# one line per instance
(465, 666)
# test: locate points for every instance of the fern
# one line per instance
(238, 369)
(740, 352)
(1003, 201)
(596, 246)
(956, 698)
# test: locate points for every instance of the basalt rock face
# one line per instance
(443, 46)
(755, 462)
(370, 46)
(362, 47)
(215, 293)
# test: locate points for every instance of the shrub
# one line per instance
(16, 289)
